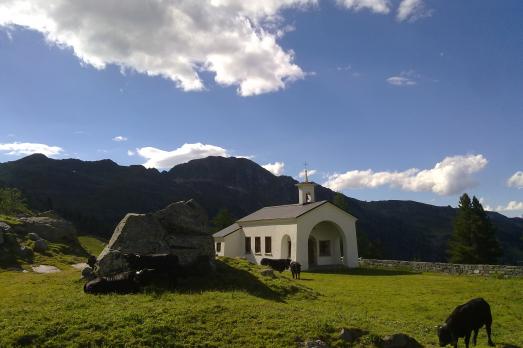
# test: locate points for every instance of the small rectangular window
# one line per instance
(325, 248)
(218, 247)
(268, 245)
(247, 245)
(257, 245)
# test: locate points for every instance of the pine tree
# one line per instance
(474, 238)
(460, 245)
(221, 220)
(486, 244)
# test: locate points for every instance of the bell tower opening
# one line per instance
(306, 191)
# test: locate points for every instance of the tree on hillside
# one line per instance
(474, 238)
(221, 220)
(12, 202)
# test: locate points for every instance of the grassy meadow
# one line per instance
(237, 307)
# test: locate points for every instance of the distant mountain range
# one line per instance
(96, 195)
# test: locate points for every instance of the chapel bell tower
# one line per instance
(306, 191)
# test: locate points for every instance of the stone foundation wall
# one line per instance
(441, 267)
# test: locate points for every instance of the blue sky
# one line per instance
(406, 99)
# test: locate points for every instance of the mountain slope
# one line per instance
(96, 195)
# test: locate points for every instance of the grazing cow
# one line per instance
(466, 318)
(122, 283)
(295, 268)
(279, 265)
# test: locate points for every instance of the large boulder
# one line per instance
(180, 229)
(49, 227)
(40, 245)
(400, 340)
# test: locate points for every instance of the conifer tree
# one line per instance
(474, 238)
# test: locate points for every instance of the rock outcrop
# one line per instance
(49, 227)
(3, 228)
(180, 229)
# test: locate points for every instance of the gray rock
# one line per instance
(33, 236)
(314, 344)
(267, 273)
(40, 245)
(3, 228)
(88, 273)
(25, 252)
(400, 340)
(351, 334)
(51, 228)
(180, 228)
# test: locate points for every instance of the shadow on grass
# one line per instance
(363, 271)
(229, 278)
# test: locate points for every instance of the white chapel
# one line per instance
(311, 233)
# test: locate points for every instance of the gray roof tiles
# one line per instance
(289, 211)
(227, 230)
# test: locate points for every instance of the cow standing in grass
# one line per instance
(279, 265)
(295, 268)
(466, 318)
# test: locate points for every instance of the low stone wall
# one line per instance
(441, 267)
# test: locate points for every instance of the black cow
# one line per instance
(160, 262)
(466, 318)
(295, 269)
(155, 277)
(122, 283)
(279, 265)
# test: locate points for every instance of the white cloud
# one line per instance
(130, 153)
(400, 81)
(275, 168)
(377, 6)
(450, 176)
(511, 206)
(161, 159)
(412, 10)
(234, 40)
(119, 138)
(405, 78)
(22, 149)
(310, 172)
(516, 180)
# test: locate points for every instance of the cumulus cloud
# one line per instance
(377, 6)
(450, 176)
(412, 10)
(516, 180)
(161, 159)
(511, 206)
(119, 138)
(275, 168)
(22, 149)
(310, 172)
(130, 153)
(234, 40)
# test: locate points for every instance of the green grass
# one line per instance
(11, 220)
(93, 245)
(237, 307)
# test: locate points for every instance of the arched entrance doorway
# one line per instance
(286, 247)
(312, 250)
(326, 244)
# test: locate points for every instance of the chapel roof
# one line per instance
(227, 230)
(289, 211)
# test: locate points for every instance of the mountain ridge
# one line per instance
(95, 195)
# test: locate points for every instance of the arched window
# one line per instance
(308, 198)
